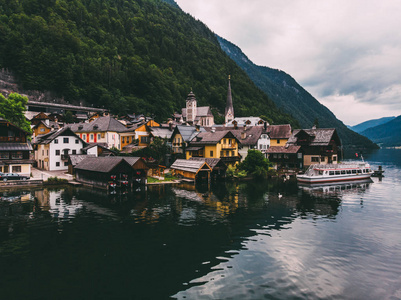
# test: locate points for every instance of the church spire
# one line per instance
(229, 112)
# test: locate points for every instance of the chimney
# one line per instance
(170, 126)
(197, 127)
(235, 124)
(213, 130)
(243, 135)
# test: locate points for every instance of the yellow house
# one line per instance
(279, 134)
(182, 136)
(215, 144)
(142, 133)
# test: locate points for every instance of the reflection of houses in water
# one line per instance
(55, 203)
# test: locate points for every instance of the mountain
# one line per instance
(371, 123)
(387, 134)
(141, 56)
(293, 98)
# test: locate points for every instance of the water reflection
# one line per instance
(174, 238)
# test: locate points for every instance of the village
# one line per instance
(101, 150)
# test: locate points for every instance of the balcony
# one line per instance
(228, 146)
(64, 156)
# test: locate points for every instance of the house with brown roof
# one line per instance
(15, 149)
(191, 169)
(289, 156)
(102, 171)
(218, 167)
(104, 129)
(215, 144)
(319, 146)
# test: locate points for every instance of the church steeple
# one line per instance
(229, 113)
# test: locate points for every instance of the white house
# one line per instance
(52, 149)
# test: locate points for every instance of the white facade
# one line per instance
(263, 142)
(60, 148)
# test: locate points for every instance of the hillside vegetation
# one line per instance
(140, 56)
(293, 98)
(388, 134)
(371, 123)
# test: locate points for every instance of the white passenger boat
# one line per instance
(336, 172)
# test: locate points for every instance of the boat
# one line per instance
(336, 172)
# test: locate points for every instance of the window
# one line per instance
(145, 139)
(66, 140)
(338, 172)
(84, 136)
(331, 172)
(74, 151)
(16, 155)
(47, 152)
(4, 155)
(16, 169)
(334, 158)
(323, 158)
(211, 153)
(56, 141)
(98, 136)
(92, 137)
(278, 141)
(57, 164)
(232, 153)
(76, 141)
(315, 159)
(123, 139)
(57, 152)
(65, 163)
(42, 129)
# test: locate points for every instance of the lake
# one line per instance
(252, 240)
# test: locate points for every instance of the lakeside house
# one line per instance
(52, 149)
(103, 171)
(15, 149)
(318, 145)
(182, 135)
(215, 144)
(191, 170)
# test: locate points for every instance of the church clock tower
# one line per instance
(229, 113)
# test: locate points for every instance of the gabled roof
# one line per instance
(193, 166)
(3, 121)
(105, 123)
(49, 137)
(279, 131)
(252, 135)
(289, 149)
(318, 137)
(77, 158)
(187, 132)
(212, 162)
(201, 111)
(164, 133)
(250, 121)
(101, 145)
(211, 138)
(102, 164)
(16, 146)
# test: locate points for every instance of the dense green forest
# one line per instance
(293, 98)
(140, 56)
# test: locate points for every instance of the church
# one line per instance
(202, 115)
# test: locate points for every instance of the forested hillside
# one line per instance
(293, 98)
(140, 56)
(371, 123)
(387, 134)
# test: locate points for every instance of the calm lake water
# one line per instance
(254, 240)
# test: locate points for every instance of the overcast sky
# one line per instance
(346, 53)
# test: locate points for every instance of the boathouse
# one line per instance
(218, 167)
(191, 170)
(102, 171)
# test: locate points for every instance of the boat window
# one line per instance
(337, 172)
(342, 171)
(331, 172)
(320, 172)
(348, 171)
(353, 171)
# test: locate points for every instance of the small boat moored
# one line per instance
(336, 172)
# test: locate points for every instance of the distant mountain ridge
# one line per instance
(371, 123)
(387, 134)
(288, 95)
